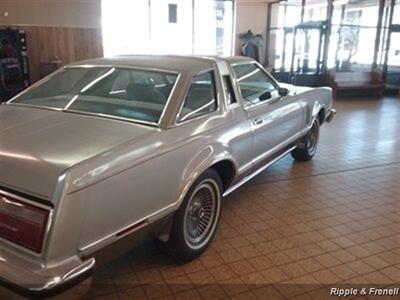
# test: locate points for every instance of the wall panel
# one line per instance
(69, 44)
(251, 15)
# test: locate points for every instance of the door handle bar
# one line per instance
(258, 121)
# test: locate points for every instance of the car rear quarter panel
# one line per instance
(147, 179)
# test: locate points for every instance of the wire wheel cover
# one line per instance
(313, 138)
(201, 214)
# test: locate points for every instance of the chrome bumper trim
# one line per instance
(331, 115)
(37, 280)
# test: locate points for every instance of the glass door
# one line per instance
(287, 48)
(394, 53)
(308, 49)
(392, 65)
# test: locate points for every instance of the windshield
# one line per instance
(139, 95)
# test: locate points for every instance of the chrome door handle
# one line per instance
(258, 121)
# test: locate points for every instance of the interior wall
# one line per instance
(251, 15)
(68, 29)
(57, 13)
(68, 44)
(62, 27)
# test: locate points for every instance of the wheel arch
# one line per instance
(214, 156)
(225, 167)
(226, 170)
(321, 115)
(315, 111)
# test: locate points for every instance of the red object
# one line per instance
(22, 223)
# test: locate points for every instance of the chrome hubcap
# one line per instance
(201, 214)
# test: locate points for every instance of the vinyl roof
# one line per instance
(162, 62)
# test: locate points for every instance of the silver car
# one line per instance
(118, 149)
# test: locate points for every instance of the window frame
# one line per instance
(214, 75)
(259, 103)
(230, 88)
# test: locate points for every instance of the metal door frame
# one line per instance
(322, 27)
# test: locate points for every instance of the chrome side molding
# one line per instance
(255, 173)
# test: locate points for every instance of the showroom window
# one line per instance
(167, 27)
(354, 28)
(390, 59)
(296, 35)
(126, 27)
(308, 37)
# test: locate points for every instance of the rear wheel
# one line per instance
(196, 220)
(305, 151)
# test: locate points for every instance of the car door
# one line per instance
(275, 119)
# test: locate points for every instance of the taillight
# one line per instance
(22, 223)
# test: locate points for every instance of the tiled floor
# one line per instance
(296, 230)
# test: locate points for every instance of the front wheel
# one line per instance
(308, 145)
(196, 220)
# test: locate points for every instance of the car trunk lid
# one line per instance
(37, 145)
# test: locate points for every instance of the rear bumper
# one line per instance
(331, 115)
(35, 280)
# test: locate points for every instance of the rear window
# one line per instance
(126, 93)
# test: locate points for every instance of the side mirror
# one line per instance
(265, 96)
(283, 92)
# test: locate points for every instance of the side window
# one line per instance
(254, 84)
(201, 97)
(230, 94)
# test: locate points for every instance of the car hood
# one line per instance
(295, 88)
(37, 145)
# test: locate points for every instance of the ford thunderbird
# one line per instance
(118, 149)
